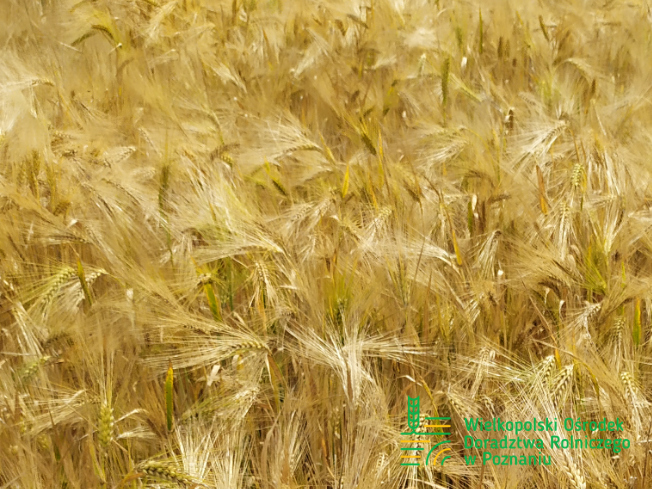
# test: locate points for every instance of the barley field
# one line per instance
(253, 243)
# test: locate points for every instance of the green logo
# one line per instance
(413, 454)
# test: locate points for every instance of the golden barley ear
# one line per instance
(572, 472)
(59, 279)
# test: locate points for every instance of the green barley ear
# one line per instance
(163, 190)
(279, 186)
(165, 471)
(107, 422)
(163, 199)
(542, 191)
(636, 330)
(481, 41)
(544, 30)
(380, 146)
(28, 371)
(577, 175)
(234, 12)
(367, 141)
(369, 189)
(619, 327)
(327, 151)
(106, 25)
(33, 169)
(212, 301)
(459, 36)
(456, 248)
(470, 218)
(206, 281)
(630, 389)
(345, 184)
(84, 283)
(275, 180)
(83, 37)
(169, 406)
(445, 74)
(458, 254)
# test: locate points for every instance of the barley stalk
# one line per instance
(169, 397)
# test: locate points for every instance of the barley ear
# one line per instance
(445, 73)
(84, 284)
(542, 191)
(345, 184)
(166, 472)
(107, 422)
(574, 475)
(636, 330)
(216, 308)
(458, 254)
(481, 41)
(544, 30)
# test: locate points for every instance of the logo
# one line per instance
(416, 446)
